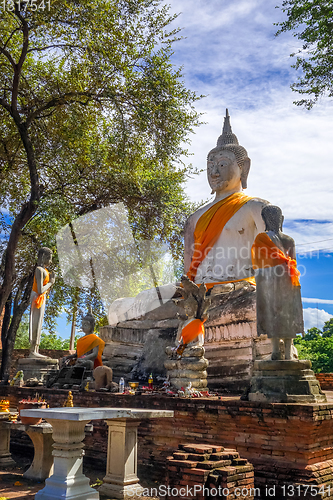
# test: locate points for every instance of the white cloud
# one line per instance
(317, 301)
(311, 235)
(315, 318)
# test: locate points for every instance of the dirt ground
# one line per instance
(13, 486)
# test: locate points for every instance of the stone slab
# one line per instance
(41, 362)
(283, 365)
(87, 414)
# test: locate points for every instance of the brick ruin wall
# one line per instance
(293, 441)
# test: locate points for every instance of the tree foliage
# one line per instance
(317, 346)
(48, 340)
(92, 112)
(312, 23)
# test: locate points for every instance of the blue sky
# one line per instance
(230, 54)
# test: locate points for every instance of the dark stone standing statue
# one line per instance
(280, 379)
(279, 303)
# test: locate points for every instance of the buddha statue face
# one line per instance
(44, 257)
(223, 171)
(88, 325)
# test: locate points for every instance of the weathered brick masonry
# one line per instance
(208, 471)
(325, 380)
(286, 443)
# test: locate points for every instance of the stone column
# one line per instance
(121, 479)
(67, 482)
(5, 456)
(42, 465)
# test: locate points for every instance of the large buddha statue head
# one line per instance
(228, 164)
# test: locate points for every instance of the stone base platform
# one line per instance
(37, 367)
(285, 381)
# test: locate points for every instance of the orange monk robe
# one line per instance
(190, 331)
(87, 343)
(266, 254)
(41, 296)
(209, 227)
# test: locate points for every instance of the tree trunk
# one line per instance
(21, 302)
(72, 339)
(4, 334)
(27, 211)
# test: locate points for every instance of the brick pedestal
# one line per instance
(200, 472)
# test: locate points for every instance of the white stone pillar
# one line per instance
(5, 456)
(121, 480)
(42, 464)
(67, 482)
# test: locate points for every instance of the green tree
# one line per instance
(328, 328)
(48, 340)
(312, 334)
(92, 112)
(317, 346)
(312, 23)
(22, 334)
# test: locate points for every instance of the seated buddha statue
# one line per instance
(219, 236)
(89, 348)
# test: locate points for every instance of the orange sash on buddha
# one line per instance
(194, 328)
(210, 225)
(41, 297)
(266, 254)
(87, 343)
(250, 280)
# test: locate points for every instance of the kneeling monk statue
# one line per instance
(89, 348)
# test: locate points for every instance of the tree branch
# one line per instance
(18, 66)
(40, 49)
(9, 57)
(59, 101)
(5, 104)
(10, 37)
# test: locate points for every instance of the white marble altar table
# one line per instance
(41, 437)
(68, 482)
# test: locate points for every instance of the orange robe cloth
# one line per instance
(87, 343)
(266, 254)
(194, 328)
(41, 296)
(209, 227)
